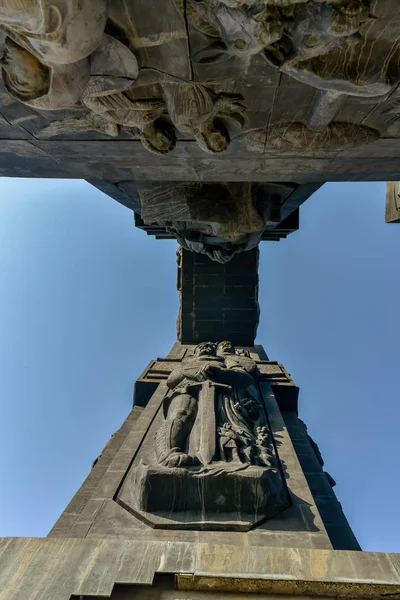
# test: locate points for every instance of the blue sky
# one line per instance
(87, 300)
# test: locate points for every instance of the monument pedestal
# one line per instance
(66, 569)
(100, 548)
(206, 498)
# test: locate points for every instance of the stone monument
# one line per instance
(213, 121)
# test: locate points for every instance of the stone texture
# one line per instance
(218, 301)
(321, 484)
(99, 549)
(213, 91)
(247, 213)
(61, 568)
(393, 202)
(250, 105)
(103, 516)
(76, 508)
(208, 461)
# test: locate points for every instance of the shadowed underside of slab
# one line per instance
(213, 121)
(201, 91)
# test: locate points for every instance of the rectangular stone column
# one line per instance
(218, 301)
(102, 547)
(99, 510)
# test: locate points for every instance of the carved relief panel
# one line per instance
(276, 76)
(208, 460)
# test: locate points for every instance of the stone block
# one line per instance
(207, 498)
(108, 485)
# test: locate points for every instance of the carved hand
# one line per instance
(210, 372)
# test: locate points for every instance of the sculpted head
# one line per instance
(158, 138)
(24, 75)
(342, 19)
(213, 138)
(225, 347)
(204, 349)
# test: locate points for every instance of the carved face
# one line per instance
(225, 347)
(319, 28)
(344, 19)
(24, 75)
(246, 33)
(211, 139)
(204, 349)
(158, 140)
(309, 39)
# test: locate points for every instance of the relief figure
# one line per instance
(211, 457)
(56, 32)
(213, 395)
(216, 219)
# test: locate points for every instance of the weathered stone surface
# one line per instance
(178, 499)
(104, 516)
(321, 484)
(218, 301)
(61, 568)
(219, 220)
(393, 202)
(209, 461)
(76, 510)
(283, 91)
(213, 101)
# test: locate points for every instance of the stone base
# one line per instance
(59, 569)
(217, 497)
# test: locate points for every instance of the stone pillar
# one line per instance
(218, 301)
(105, 506)
(393, 202)
(118, 539)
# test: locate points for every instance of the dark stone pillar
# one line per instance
(320, 483)
(218, 301)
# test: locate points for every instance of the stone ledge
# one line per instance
(327, 589)
(57, 568)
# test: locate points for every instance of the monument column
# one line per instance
(157, 518)
(211, 486)
(213, 121)
(263, 483)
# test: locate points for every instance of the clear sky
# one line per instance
(87, 300)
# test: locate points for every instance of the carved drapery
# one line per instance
(214, 412)
(192, 72)
(216, 219)
(211, 454)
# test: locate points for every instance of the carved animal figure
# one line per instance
(109, 113)
(137, 116)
